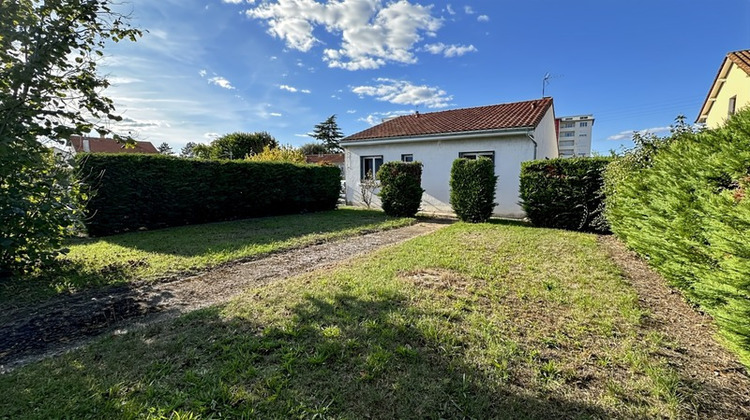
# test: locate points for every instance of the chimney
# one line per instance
(416, 114)
(86, 145)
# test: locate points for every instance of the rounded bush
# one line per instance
(473, 184)
(400, 188)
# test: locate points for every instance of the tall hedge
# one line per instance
(684, 204)
(473, 184)
(400, 188)
(154, 191)
(565, 193)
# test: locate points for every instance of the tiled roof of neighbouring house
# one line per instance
(482, 118)
(104, 145)
(741, 59)
(332, 158)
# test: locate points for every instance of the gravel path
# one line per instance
(67, 322)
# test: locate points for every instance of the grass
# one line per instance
(473, 321)
(161, 253)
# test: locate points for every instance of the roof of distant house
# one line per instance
(105, 145)
(739, 58)
(332, 158)
(483, 118)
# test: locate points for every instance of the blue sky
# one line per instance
(210, 67)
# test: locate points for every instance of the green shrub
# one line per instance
(473, 184)
(683, 203)
(400, 188)
(154, 191)
(565, 193)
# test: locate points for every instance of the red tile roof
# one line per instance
(332, 158)
(483, 118)
(104, 145)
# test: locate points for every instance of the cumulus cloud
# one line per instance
(405, 93)
(293, 89)
(378, 117)
(450, 10)
(221, 82)
(468, 10)
(449, 50)
(627, 135)
(483, 18)
(371, 33)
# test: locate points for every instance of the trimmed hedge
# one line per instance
(565, 193)
(683, 203)
(473, 184)
(154, 191)
(400, 188)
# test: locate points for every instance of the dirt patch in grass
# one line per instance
(721, 382)
(32, 332)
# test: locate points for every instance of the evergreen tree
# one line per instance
(313, 149)
(329, 133)
(164, 149)
(187, 151)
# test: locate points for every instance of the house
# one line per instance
(574, 135)
(508, 134)
(81, 144)
(335, 159)
(729, 92)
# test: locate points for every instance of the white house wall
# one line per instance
(546, 136)
(437, 158)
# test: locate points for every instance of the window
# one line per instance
(369, 166)
(407, 158)
(732, 105)
(567, 143)
(567, 134)
(582, 135)
(568, 125)
(477, 155)
(583, 124)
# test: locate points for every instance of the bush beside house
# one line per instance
(400, 188)
(565, 193)
(683, 203)
(472, 193)
(153, 191)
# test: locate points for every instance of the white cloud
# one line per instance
(221, 82)
(275, 114)
(627, 135)
(450, 10)
(378, 117)
(351, 111)
(371, 34)
(483, 18)
(210, 136)
(449, 50)
(468, 10)
(293, 89)
(203, 73)
(405, 93)
(307, 136)
(122, 80)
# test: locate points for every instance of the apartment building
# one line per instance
(574, 135)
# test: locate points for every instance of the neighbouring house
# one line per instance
(81, 144)
(506, 133)
(729, 92)
(335, 159)
(574, 135)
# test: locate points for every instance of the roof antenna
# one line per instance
(416, 111)
(545, 82)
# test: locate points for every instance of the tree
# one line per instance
(49, 89)
(236, 146)
(278, 154)
(188, 150)
(164, 149)
(313, 149)
(329, 133)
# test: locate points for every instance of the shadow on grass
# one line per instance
(196, 240)
(340, 356)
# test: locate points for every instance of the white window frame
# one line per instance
(476, 155)
(375, 165)
(407, 157)
(732, 105)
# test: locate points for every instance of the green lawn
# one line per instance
(156, 254)
(473, 321)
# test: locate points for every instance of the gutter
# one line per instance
(439, 137)
(530, 135)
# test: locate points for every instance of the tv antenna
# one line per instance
(545, 82)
